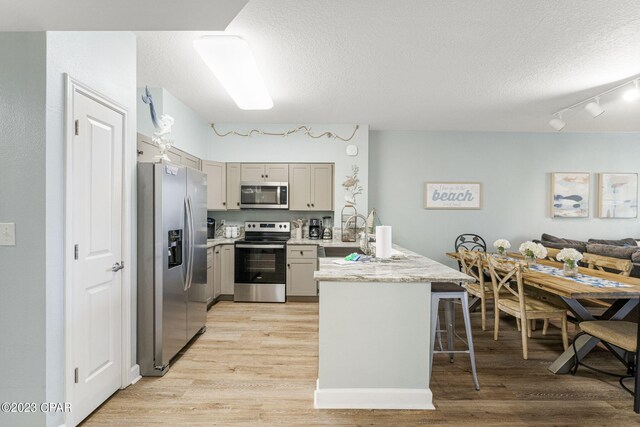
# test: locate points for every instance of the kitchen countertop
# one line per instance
(320, 242)
(410, 268)
(220, 241)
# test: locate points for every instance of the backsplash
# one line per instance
(238, 218)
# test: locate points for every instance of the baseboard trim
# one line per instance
(134, 374)
(302, 299)
(373, 398)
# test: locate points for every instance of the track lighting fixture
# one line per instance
(592, 104)
(557, 123)
(594, 108)
(633, 93)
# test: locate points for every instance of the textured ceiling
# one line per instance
(468, 65)
(39, 15)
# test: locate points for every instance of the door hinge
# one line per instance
(75, 375)
(77, 127)
(75, 252)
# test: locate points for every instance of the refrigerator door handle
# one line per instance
(192, 239)
(188, 244)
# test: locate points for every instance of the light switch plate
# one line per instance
(7, 234)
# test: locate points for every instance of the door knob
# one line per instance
(117, 266)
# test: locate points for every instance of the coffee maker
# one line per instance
(315, 228)
(211, 228)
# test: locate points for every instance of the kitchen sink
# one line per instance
(338, 251)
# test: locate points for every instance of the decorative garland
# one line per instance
(305, 129)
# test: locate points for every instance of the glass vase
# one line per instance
(530, 260)
(570, 269)
(502, 253)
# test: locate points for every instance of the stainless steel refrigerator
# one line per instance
(172, 262)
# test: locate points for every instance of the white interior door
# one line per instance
(96, 312)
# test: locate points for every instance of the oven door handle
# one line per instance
(242, 246)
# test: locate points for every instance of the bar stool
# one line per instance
(450, 292)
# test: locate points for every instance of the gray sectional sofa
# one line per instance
(622, 248)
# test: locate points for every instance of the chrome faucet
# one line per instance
(367, 248)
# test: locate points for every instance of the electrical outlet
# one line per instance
(7, 234)
(223, 222)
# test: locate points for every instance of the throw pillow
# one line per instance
(611, 250)
(619, 242)
(549, 238)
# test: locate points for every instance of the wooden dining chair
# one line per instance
(472, 263)
(507, 276)
(620, 266)
(552, 253)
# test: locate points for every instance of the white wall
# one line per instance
(514, 169)
(106, 62)
(299, 148)
(22, 188)
(190, 132)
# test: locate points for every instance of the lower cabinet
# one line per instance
(210, 291)
(227, 266)
(302, 262)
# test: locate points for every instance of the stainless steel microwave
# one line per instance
(264, 195)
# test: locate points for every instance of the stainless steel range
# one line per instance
(261, 262)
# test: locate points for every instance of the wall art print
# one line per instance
(452, 195)
(570, 195)
(618, 195)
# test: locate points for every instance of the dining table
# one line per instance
(617, 293)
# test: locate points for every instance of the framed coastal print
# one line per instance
(452, 195)
(618, 195)
(570, 195)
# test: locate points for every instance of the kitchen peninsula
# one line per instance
(374, 336)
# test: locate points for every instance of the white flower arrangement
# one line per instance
(535, 250)
(501, 244)
(569, 255)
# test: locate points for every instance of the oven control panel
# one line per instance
(258, 226)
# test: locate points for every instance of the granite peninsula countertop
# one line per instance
(412, 267)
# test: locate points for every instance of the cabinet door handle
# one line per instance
(313, 205)
(261, 176)
(308, 205)
(266, 176)
(238, 203)
(288, 265)
(224, 203)
(140, 152)
(301, 253)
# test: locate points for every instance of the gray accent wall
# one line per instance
(515, 172)
(22, 201)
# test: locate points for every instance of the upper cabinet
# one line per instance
(233, 186)
(147, 152)
(311, 187)
(264, 172)
(216, 185)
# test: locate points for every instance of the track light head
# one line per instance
(557, 123)
(594, 108)
(633, 93)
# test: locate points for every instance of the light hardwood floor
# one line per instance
(257, 364)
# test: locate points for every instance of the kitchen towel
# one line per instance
(383, 241)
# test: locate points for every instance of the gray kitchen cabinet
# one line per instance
(227, 269)
(147, 152)
(217, 271)
(311, 187)
(210, 291)
(264, 172)
(216, 185)
(233, 186)
(302, 262)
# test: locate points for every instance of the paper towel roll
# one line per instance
(383, 241)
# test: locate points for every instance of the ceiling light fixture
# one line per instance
(633, 93)
(233, 64)
(557, 123)
(594, 108)
(592, 104)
